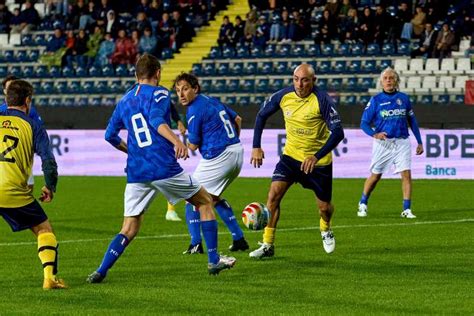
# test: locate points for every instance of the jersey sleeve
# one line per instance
(194, 119)
(48, 162)
(367, 117)
(413, 122)
(174, 113)
(269, 107)
(114, 127)
(329, 112)
(160, 108)
(35, 115)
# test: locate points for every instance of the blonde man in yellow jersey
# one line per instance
(313, 130)
(20, 138)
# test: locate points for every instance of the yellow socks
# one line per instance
(323, 225)
(170, 207)
(269, 235)
(47, 252)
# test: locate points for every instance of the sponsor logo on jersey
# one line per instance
(8, 124)
(385, 103)
(392, 113)
(399, 102)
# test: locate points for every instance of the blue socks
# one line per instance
(406, 204)
(193, 220)
(364, 199)
(224, 210)
(209, 231)
(115, 250)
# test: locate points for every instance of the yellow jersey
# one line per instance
(308, 123)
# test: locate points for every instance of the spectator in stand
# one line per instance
(183, 32)
(250, 28)
(238, 31)
(77, 12)
(200, 15)
(135, 37)
(5, 16)
(125, 51)
(55, 49)
(332, 6)
(427, 42)
(418, 21)
(350, 27)
(166, 30)
(90, 17)
(106, 49)
(287, 27)
(154, 15)
(403, 27)
(262, 33)
(79, 49)
(225, 32)
(366, 26)
(276, 29)
(29, 17)
(144, 6)
(15, 22)
(382, 24)
(103, 9)
(443, 43)
(70, 40)
(93, 45)
(142, 22)
(112, 25)
(344, 9)
(432, 16)
(327, 28)
(147, 43)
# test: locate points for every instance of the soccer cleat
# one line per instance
(225, 262)
(194, 249)
(329, 242)
(95, 277)
(240, 244)
(265, 251)
(56, 284)
(362, 210)
(172, 216)
(407, 214)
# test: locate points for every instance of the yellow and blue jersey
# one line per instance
(309, 123)
(20, 138)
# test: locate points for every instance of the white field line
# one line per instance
(72, 241)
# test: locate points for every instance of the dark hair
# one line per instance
(147, 66)
(191, 79)
(7, 79)
(18, 91)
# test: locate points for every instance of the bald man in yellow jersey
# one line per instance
(313, 130)
(20, 138)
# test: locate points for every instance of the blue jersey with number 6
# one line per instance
(141, 111)
(211, 126)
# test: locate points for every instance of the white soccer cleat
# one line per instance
(407, 214)
(225, 262)
(329, 242)
(172, 216)
(362, 210)
(265, 251)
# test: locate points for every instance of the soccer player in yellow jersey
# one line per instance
(313, 130)
(20, 138)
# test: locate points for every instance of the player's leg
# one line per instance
(224, 209)
(171, 214)
(326, 210)
(403, 165)
(277, 191)
(193, 221)
(138, 196)
(406, 189)
(369, 185)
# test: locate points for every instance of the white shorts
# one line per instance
(138, 196)
(385, 153)
(217, 174)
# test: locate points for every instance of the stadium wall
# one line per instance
(433, 116)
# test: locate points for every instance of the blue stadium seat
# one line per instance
(68, 72)
(357, 49)
(74, 86)
(348, 100)
(232, 85)
(250, 68)
(166, 53)
(327, 50)
(196, 69)
(131, 71)
(281, 67)
(403, 49)
(367, 83)
(16, 71)
(60, 86)
(206, 85)
(243, 100)
(270, 51)
(218, 86)
(283, 50)
(339, 66)
(266, 68)
(27, 40)
(262, 85)
(222, 68)
(322, 83)
(230, 100)
(209, 69)
(95, 101)
(9, 56)
(364, 99)
(292, 64)
(355, 66)
(95, 71)
(116, 86)
(55, 102)
(373, 49)
(39, 40)
(120, 71)
(324, 67)
(298, 50)
(242, 52)
(276, 84)
(442, 99)
(102, 87)
(388, 49)
(352, 84)
(215, 52)
(81, 72)
(33, 55)
(3, 71)
(42, 102)
(343, 50)
(108, 101)
(88, 86)
(36, 87)
(384, 63)
(256, 52)
(228, 52)
(369, 66)
(426, 99)
(107, 71)
(82, 101)
(335, 84)
(413, 98)
(28, 72)
(21, 56)
(458, 99)
(248, 85)
(47, 87)
(258, 99)
(69, 102)
(55, 72)
(237, 68)
(313, 50)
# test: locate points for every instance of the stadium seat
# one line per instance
(68, 72)
(47, 87)
(222, 68)
(228, 52)
(369, 66)
(281, 67)
(36, 86)
(81, 72)
(463, 67)
(248, 85)
(9, 56)
(82, 101)
(355, 66)
(209, 69)
(250, 68)
(363, 99)
(215, 52)
(39, 40)
(196, 69)
(33, 55)
(283, 51)
(339, 67)
(347, 100)
(107, 71)
(388, 49)
(218, 86)
(166, 53)
(21, 56)
(243, 100)
(357, 49)
(458, 99)
(373, 49)
(262, 85)
(60, 86)
(27, 40)
(447, 66)
(335, 84)
(256, 52)
(297, 50)
(16, 71)
(232, 85)
(69, 102)
(88, 86)
(95, 72)
(206, 85)
(445, 82)
(237, 68)
(384, 64)
(266, 68)
(416, 65)
(426, 99)
(352, 84)
(291, 66)
(459, 85)
(54, 72)
(131, 70)
(230, 100)
(3, 71)
(366, 83)
(102, 87)
(324, 67)
(276, 84)
(94, 101)
(28, 71)
(42, 102)
(55, 102)
(401, 65)
(403, 49)
(313, 50)
(442, 99)
(413, 83)
(108, 101)
(258, 99)
(327, 50)
(343, 50)
(413, 98)
(427, 85)
(270, 51)
(120, 71)
(115, 86)
(322, 83)
(242, 52)
(74, 86)
(431, 67)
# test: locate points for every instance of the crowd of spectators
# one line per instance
(105, 31)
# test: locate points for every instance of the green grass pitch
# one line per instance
(383, 264)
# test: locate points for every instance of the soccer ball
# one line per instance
(255, 216)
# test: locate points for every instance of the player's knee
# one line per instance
(325, 207)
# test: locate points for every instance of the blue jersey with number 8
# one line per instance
(211, 126)
(141, 111)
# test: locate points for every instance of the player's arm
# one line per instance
(113, 129)
(235, 119)
(180, 149)
(177, 119)
(48, 163)
(367, 118)
(195, 122)
(412, 122)
(269, 107)
(238, 124)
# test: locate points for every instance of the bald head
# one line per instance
(303, 80)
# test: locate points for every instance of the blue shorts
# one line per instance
(21, 218)
(320, 180)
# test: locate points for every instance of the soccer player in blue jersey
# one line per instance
(152, 148)
(214, 129)
(20, 138)
(33, 114)
(313, 130)
(386, 118)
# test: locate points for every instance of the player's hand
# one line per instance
(308, 164)
(181, 128)
(46, 195)
(419, 149)
(381, 136)
(181, 151)
(257, 157)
